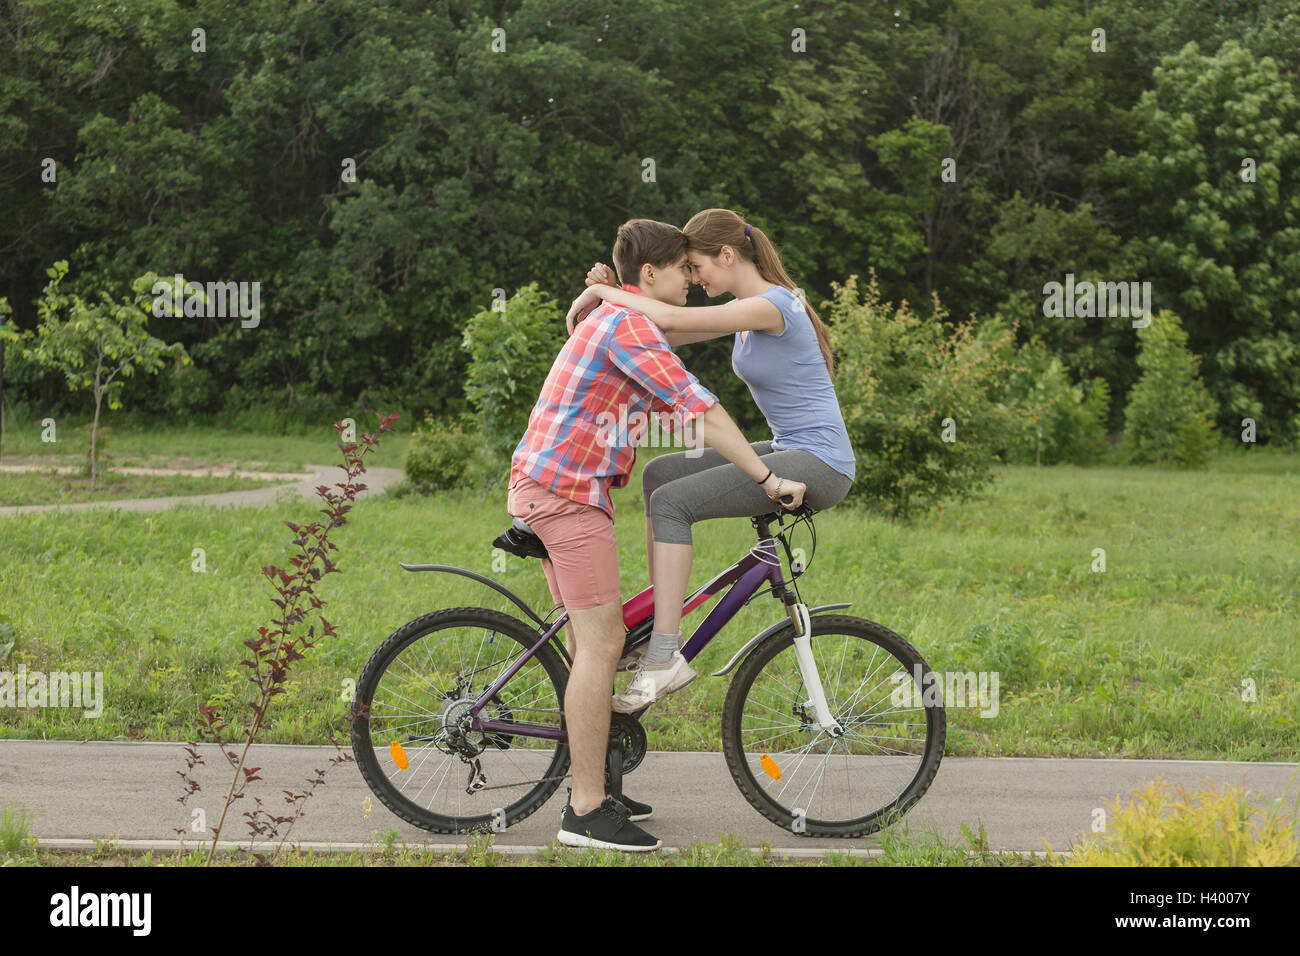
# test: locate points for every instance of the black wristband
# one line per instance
(765, 477)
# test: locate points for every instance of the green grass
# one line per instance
(14, 841)
(138, 444)
(898, 849)
(1201, 593)
(50, 487)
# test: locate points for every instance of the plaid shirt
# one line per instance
(615, 370)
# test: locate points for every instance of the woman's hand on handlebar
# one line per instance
(786, 492)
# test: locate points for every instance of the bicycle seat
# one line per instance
(520, 540)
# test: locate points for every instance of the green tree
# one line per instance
(5, 312)
(93, 343)
(1211, 195)
(1030, 245)
(380, 168)
(1169, 411)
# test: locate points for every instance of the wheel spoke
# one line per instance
(420, 696)
(884, 748)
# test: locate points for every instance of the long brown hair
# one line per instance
(711, 229)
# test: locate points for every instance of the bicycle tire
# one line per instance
(429, 626)
(746, 779)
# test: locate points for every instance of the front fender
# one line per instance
(768, 632)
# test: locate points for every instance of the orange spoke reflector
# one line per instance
(399, 755)
(769, 765)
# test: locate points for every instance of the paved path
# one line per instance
(303, 484)
(129, 790)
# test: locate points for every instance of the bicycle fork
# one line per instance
(802, 621)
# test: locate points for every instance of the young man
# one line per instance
(617, 363)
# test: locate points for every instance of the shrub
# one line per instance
(1063, 422)
(511, 352)
(900, 377)
(438, 454)
(1190, 828)
(1091, 443)
(1194, 439)
(190, 390)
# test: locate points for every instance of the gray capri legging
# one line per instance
(679, 490)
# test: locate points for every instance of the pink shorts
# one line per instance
(582, 570)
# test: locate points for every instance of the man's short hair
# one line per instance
(646, 240)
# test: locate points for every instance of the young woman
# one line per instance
(782, 352)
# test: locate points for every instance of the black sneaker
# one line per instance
(637, 810)
(605, 828)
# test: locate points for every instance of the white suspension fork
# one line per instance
(808, 669)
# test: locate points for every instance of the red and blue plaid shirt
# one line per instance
(615, 370)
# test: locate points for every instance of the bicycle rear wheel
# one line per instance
(798, 776)
(410, 728)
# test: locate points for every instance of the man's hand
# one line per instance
(581, 308)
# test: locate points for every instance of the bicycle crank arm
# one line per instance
(808, 669)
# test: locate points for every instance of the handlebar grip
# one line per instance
(787, 499)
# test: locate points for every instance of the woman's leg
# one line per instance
(659, 471)
(719, 492)
(670, 586)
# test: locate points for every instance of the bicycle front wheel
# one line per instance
(413, 737)
(800, 777)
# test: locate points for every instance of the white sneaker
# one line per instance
(652, 683)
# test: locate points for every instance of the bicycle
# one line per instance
(484, 690)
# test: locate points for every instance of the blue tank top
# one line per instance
(787, 376)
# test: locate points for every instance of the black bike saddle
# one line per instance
(520, 540)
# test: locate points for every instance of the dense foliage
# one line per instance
(383, 167)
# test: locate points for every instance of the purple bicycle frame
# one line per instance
(746, 576)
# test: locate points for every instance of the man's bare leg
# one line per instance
(570, 642)
(599, 637)
(549, 569)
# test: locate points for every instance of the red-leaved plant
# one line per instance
(275, 650)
